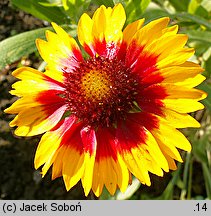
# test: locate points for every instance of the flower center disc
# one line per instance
(96, 85)
(100, 91)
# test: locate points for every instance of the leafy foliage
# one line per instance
(43, 9)
(13, 48)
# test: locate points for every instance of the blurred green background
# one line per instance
(21, 22)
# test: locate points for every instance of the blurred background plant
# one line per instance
(19, 180)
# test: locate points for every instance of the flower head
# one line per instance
(115, 113)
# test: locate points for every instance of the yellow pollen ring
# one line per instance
(96, 85)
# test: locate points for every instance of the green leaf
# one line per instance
(135, 108)
(118, 1)
(202, 12)
(193, 5)
(207, 178)
(65, 5)
(34, 7)
(206, 4)
(134, 9)
(154, 11)
(206, 56)
(200, 8)
(13, 48)
(207, 88)
(108, 3)
(203, 36)
(199, 46)
(144, 4)
(75, 8)
(180, 5)
(50, 3)
(207, 63)
(184, 184)
(169, 190)
(199, 148)
(190, 17)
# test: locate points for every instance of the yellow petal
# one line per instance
(58, 163)
(166, 147)
(123, 176)
(47, 147)
(60, 51)
(131, 29)
(98, 183)
(192, 82)
(48, 163)
(155, 152)
(179, 120)
(73, 167)
(105, 26)
(171, 163)
(134, 160)
(54, 74)
(85, 36)
(166, 45)
(21, 104)
(35, 121)
(176, 58)
(108, 23)
(27, 73)
(117, 18)
(26, 87)
(87, 177)
(175, 91)
(68, 41)
(170, 136)
(154, 29)
(183, 105)
(170, 30)
(180, 73)
(150, 162)
(109, 175)
(32, 82)
(100, 18)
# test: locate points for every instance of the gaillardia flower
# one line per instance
(113, 114)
